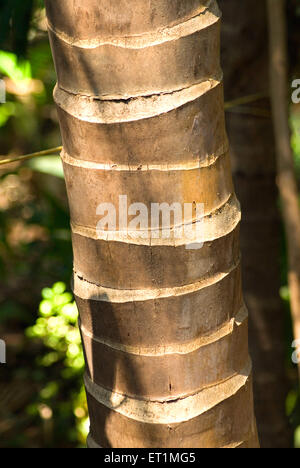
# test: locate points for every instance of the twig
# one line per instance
(25, 157)
(256, 111)
(245, 100)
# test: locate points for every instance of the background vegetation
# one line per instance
(42, 400)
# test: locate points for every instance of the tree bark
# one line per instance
(245, 63)
(164, 327)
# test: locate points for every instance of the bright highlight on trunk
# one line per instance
(164, 328)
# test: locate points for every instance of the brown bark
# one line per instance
(164, 328)
(245, 63)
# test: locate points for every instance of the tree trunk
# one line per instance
(164, 327)
(254, 166)
(287, 180)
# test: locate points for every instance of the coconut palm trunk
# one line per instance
(246, 72)
(162, 317)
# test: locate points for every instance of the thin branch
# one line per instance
(256, 111)
(245, 100)
(25, 157)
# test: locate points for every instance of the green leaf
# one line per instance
(297, 437)
(48, 165)
(59, 288)
(7, 110)
(15, 69)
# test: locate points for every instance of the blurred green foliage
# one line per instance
(56, 327)
(48, 165)
(14, 68)
(44, 404)
(295, 127)
(18, 71)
